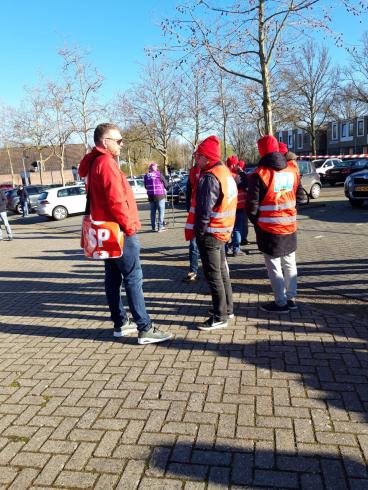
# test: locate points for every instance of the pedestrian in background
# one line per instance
(156, 186)
(211, 220)
(23, 200)
(240, 178)
(273, 192)
(112, 199)
(193, 178)
(4, 217)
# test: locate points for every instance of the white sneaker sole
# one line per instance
(152, 341)
(124, 333)
(212, 327)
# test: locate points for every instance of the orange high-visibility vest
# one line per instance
(277, 212)
(194, 174)
(222, 216)
(242, 195)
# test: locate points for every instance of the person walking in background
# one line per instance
(193, 178)
(211, 220)
(244, 236)
(112, 199)
(273, 192)
(240, 178)
(23, 200)
(156, 186)
(4, 217)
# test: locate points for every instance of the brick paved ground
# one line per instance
(268, 402)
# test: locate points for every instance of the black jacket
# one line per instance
(208, 195)
(3, 201)
(269, 243)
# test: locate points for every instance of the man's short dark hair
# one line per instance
(102, 129)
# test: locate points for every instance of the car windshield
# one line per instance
(346, 163)
(318, 163)
(360, 163)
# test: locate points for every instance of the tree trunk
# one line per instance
(11, 165)
(62, 164)
(267, 103)
(41, 168)
(313, 139)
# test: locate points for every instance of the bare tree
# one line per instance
(243, 38)
(312, 86)
(33, 125)
(154, 106)
(60, 114)
(356, 89)
(7, 135)
(83, 82)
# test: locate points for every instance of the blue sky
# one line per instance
(116, 33)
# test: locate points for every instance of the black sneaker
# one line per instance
(210, 324)
(191, 276)
(244, 242)
(127, 328)
(274, 308)
(291, 303)
(229, 315)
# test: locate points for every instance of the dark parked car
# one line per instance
(33, 191)
(177, 190)
(342, 170)
(311, 180)
(356, 188)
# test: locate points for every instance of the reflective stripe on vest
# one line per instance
(226, 214)
(278, 207)
(290, 219)
(219, 230)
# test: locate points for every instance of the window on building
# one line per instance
(300, 140)
(351, 129)
(290, 140)
(334, 131)
(344, 130)
(360, 127)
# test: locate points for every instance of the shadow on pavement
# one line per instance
(223, 464)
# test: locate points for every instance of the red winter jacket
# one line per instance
(111, 197)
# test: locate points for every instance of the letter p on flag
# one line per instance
(101, 239)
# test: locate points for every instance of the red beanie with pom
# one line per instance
(210, 148)
(283, 148)
(232, 161)
(267, 144)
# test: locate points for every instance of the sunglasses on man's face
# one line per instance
(118, 141)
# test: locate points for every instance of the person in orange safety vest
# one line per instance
(273, 192)
(211, 220)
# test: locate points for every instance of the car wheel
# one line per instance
(18, 209)
(356, 203)
(315, 191)
(59, 213)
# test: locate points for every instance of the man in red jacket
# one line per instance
(112, 199)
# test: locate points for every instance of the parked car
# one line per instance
(33, 191)
(324, 164)
(139, 190)
(310, 179)
(356, 188)
(177, 190)
(59, 202)
(344, 169)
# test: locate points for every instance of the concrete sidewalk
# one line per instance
(269, 402)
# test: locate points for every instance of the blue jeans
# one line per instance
(160, 206)
(4, 220)
(238, 230)
(25, 210)
(126, 269)
(193, 255)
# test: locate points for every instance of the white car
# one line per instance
(139, 190)
(324, 164)
(59, 202)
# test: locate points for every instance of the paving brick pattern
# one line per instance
(269, 402)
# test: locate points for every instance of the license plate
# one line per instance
(361, 188)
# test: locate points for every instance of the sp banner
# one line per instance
(101, 239)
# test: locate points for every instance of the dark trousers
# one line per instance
(216, 272)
